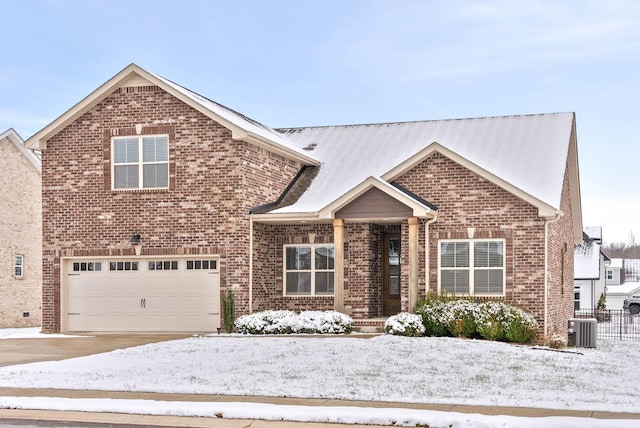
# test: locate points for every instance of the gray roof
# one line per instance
(529, 152)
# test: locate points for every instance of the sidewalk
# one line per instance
(186, 421)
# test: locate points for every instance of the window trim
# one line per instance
(471, 268)
(141, 163)
(18, 265)
(312, 270)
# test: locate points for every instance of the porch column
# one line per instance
(338, 265)
(413, 263)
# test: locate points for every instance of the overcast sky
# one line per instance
(306, 62)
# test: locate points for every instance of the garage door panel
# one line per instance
(144, 300)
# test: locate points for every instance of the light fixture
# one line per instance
(135, 239)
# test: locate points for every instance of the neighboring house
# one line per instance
(624, 281)
(158, 200)
(615, 272)
(590, 266)
(20, 234)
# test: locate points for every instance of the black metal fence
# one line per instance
(613, 324)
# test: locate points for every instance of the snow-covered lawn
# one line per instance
(382, 368)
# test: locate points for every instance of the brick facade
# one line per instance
(469, 206)
(20, 233)
(214, 181)
(205, 211)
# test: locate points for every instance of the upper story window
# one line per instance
(140, 162)
(18, 265)
(609, 274)
(472, 267)
(308, 270)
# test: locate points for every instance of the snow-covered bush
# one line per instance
(405, 324)
(287, 322)
(448, 316)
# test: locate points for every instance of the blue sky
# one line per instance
(304, 63)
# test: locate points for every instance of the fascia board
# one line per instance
(419, 210)
(287, 218)
(544, 210)
(574, 185)
(15, 138)
(39, 139)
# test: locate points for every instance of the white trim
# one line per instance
(18, 263)
(544, 209)
(419, 210)
(240, 127)
(471, 268)
(140, 163)
(15, 138)
(312, 270)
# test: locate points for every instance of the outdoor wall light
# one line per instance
(135, 241)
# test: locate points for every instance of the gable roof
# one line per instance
(526, 155)
(11, 135)
(242, 128)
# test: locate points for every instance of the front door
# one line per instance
(391, 273)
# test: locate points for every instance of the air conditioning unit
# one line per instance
(583, 332)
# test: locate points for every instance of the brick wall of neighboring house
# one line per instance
(205, 211)
(20, 233)
(471, 206)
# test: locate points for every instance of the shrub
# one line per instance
(287, 322)
(489, 321)
(450, 316)
(229, 311)
(520, 326)
(405, 324)
(433, 310)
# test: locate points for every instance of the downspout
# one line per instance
(250, 264)
(427, 262)
(548, 221)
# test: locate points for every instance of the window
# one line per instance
(18, 265)
(472, 267)
(123, 266)
(609, 274)
(87, 266)
(202, 264)
(308, 270)
(140, 162)
(576, 299)
(163, 265)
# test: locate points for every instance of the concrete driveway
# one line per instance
(22, 351)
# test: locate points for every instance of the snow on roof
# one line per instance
(529, 152)
(616, 263)
(586, 261)
(594, 232)
(241, 121)
(630, 288)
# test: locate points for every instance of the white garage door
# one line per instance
(142, 295)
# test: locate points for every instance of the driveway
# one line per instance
(22, 351)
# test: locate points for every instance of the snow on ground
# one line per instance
(28, 333)
(382, 368)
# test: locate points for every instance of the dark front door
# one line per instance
(391, 273)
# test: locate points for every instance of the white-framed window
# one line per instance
(472, 267)
(576, 299)
(140, 162)
(609, 274)
(308, 270)
(18, 265)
